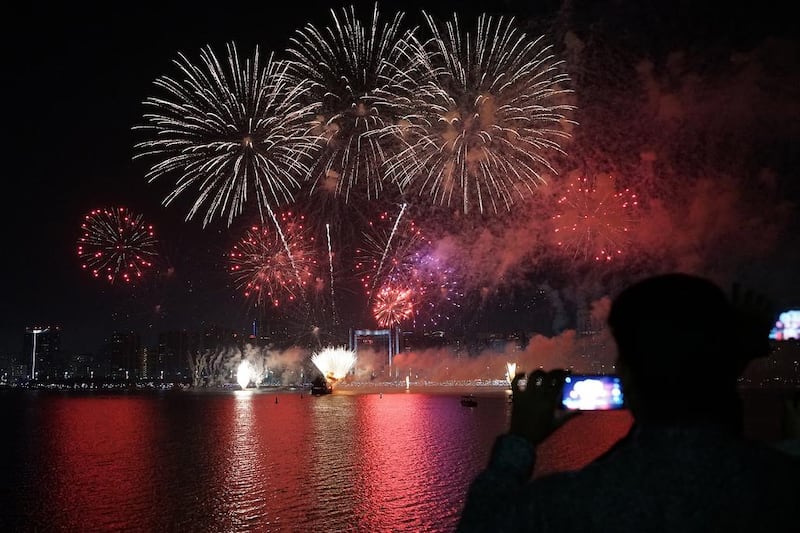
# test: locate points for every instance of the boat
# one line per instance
(320, 387)
(320, 390)
(468, 400)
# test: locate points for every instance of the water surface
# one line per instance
(255, 461)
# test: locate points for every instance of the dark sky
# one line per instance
(74, 78)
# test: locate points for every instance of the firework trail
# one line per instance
(330, 263)
(116, 244)
(262, 267)
(594, 219)
(334, 363)
(386, 248)
(485, 124)
(362, 78)
(229, 129)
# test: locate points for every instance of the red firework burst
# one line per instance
(594, 218)
(116, 244)
(393, 305)
(264, 269)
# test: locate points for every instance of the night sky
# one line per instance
(75, 77)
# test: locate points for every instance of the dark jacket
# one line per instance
(654, 479)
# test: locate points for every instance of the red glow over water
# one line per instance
(242, 461)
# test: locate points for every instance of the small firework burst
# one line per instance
(393, 305)
(116, 245)
(511, 371)
(594, 219)
(264, 270)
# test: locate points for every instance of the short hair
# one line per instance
(675, 324)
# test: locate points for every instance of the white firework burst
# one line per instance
(334, 363)
(362, 76)
(488, 121)
(228, 128)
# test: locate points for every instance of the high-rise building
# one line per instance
(125, 355)
(172, 358)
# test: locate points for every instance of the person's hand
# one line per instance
(534, 409)
(754, 319)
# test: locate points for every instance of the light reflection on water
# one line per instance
(242, 461)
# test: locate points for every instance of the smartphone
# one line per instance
(592, 392)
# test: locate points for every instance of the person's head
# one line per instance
(674, 336)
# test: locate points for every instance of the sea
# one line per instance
(367, 460)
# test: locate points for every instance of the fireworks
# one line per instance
(334, 363)
(594, 219)
(420, 288)
(393, 305)
(402, 276)
(487, 121)
(511, 371)
(361, 78)
(263, 269)
(229, 129)
(388, 251)
(116, 245)
(244, 374)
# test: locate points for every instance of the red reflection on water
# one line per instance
(392, 454)
(261, 462)
(101, 467)
(282, 459)
(417, 455)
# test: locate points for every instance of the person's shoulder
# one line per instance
(789, 447)
(764, 465)
(781, 452)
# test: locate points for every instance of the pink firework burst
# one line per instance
(263, 269)
(594, 219)
(116, 245)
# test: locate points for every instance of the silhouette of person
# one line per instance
(685, 464)
(790, 422)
